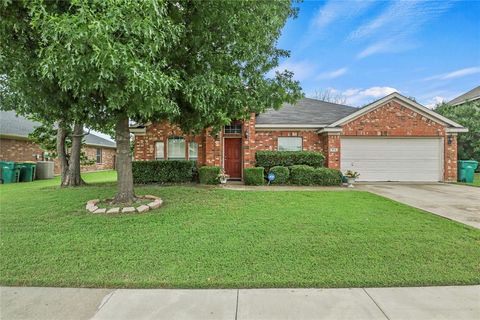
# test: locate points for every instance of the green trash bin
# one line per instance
(10, 173)
(466, 170)
(27, 171)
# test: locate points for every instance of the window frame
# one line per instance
(98, 154)
(184, 148)
(188, 148)
(163, 149)
(290, 138)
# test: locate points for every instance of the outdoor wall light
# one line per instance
(449, 139)
(247, 134)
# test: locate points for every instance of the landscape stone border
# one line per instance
(156, 203)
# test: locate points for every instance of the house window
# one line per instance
(233, 129)
(192, 150)
(176, 148)
(290, 144)
(159, 150)
(99, 155)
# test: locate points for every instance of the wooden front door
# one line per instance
(233, 157)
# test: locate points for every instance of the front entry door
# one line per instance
(233, 157)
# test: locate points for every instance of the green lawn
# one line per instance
(209, 237)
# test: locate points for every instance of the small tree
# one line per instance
(330, 95)
(468, 115)
(193, 63)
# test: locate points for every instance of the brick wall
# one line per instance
(393, 119)
(24, 150)
(144, 147)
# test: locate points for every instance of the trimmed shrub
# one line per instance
(302, 175)
(269, 159)
(209, 174)
(169, 171)
(281, 174)
(254, 176)
(306, 176)
(327, 177)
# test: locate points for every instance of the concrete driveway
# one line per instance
(452, 201)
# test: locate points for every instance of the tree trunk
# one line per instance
(72, 176)
(61, 150)
(125, 194)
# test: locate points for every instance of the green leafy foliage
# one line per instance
(468, 115)
(268, 159)
(209, 174)
(169, 171)
(306, 175)
(254, 176)
(45, 136)
(281, 174)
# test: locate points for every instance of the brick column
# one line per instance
(450, 155)
(249, 142)
(331, 149)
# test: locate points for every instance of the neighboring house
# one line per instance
(391, 139)
(15, 145)
(472, 95)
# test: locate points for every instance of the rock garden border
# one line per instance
(92, 206)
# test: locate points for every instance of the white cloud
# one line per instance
(335, 11)
(332, 74)
(359, 97)
(392, 28)
(455, 74)
(434, 101)
(301, 69)
(400, 18)
(378, 47)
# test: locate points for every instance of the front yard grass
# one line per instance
(212, 238)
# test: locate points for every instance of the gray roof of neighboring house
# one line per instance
(306, 111)
(471, 95)
(12, 124)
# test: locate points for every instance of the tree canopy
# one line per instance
(194, 63)
(468, 115)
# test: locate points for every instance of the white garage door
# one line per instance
(393, 159)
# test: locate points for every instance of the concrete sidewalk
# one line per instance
(370, 303)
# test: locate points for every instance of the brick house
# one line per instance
(391, 139)
(15, 145)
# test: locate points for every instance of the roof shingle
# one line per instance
(306, 111)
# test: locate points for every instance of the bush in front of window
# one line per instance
(269, 159)
(209, 174)
(281, 174)
(306, 176)
(169, 171)
(254, 176)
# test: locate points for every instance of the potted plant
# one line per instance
(223, 176)
(351, 177)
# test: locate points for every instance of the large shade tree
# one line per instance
(23, 89)
(194, 63)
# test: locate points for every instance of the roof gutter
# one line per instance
(330, 130)
(289, 126)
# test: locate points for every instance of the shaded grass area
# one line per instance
(211, 238)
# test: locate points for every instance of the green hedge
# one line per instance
(269, 159)
(254, 176)
(209, 175)
(281, 174)
(169, 171)
(306, 176)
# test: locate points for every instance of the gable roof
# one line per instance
(405, 102)
(306, 113)
(14, 125)
(471, 95)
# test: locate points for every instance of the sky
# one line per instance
(364, 50)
